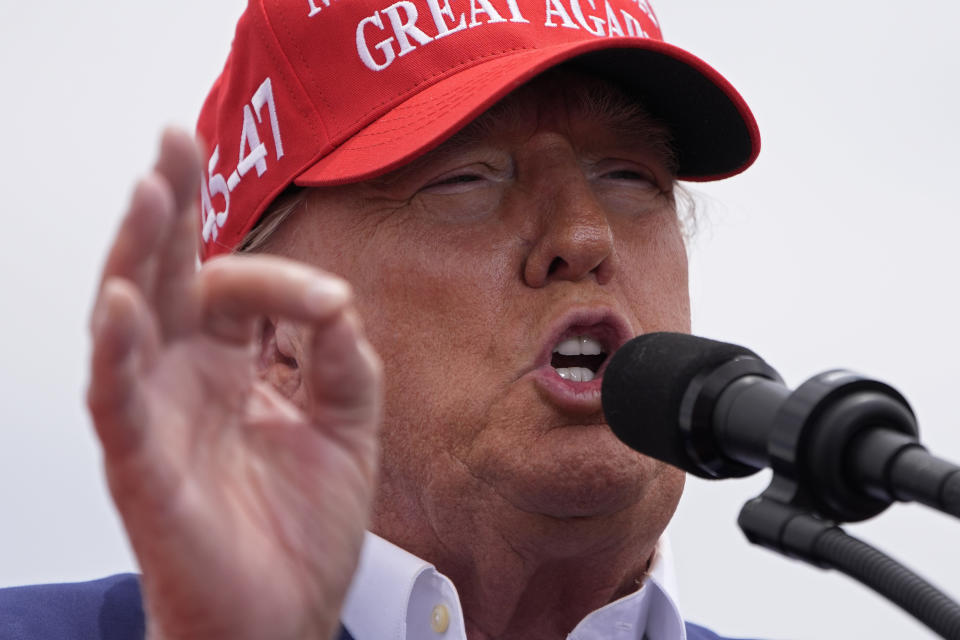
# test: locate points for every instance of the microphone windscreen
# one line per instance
(643, 388)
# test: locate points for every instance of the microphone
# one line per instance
(717, 410)
(653, 383)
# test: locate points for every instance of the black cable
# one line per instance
(891, 579)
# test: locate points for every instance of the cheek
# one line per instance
(429, 304)
(431, 313)
(429, 300)
(654, 272)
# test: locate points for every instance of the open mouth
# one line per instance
(578, 358)
(569, 369)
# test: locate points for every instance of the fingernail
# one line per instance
(326, 294)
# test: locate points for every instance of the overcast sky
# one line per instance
(837, 249)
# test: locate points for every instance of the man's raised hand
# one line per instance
(245, 511)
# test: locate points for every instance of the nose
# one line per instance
(574, 240)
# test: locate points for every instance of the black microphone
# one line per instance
(654, 382)
(717, 410)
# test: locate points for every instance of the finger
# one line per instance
(179, 164)
(345, 376)
(123, 341)
(237, 291)
(132, 254)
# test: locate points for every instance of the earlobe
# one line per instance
(278, 365)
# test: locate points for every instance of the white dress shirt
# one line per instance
(397, 596)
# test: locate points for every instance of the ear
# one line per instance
(280, 359)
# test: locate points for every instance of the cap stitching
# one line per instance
(439, 104)
(307, 117)
(306, 64)
(422, 119)
(443, 96)
(447, 71)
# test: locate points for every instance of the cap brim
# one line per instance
(714, 132)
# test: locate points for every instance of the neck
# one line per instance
(537, 595)
(539, 584)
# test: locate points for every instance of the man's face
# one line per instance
(549, 220)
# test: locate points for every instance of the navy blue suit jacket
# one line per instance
(107, 609)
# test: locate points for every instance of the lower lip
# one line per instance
(568, 395)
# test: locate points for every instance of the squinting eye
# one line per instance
(454, 184)
(458, 179)
(627, 174)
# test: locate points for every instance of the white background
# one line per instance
(836, 249)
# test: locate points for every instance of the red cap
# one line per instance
(324, 92)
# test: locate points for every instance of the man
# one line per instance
(455, 212)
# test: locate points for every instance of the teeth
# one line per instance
(589, 346)
(576, 374)
(568, 347)
(578, 346)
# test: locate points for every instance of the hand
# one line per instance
(246, 513)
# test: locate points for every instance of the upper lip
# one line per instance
(605, 325)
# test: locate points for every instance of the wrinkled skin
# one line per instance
(461, 264)
(238, 407)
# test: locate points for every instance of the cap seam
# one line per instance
(422, 118)
(441, 103)
(459, 66)
(313, 120)
(445, 97)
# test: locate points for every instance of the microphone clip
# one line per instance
(816, 442)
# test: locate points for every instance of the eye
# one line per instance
(627, 174)
(630, 175)
(635, 177)
(452, 181)
(464, 193)
(462, 179)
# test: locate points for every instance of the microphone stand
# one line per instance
(821, 543)
(842, 449)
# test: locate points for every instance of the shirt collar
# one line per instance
(397, 596)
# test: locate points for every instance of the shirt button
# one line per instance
(440, 618)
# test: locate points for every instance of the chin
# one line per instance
(585, 472)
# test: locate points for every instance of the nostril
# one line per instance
(555, 265)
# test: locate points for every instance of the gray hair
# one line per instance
(284, 206)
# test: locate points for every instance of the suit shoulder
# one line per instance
(106, 609)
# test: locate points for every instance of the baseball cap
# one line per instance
(325, 92)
